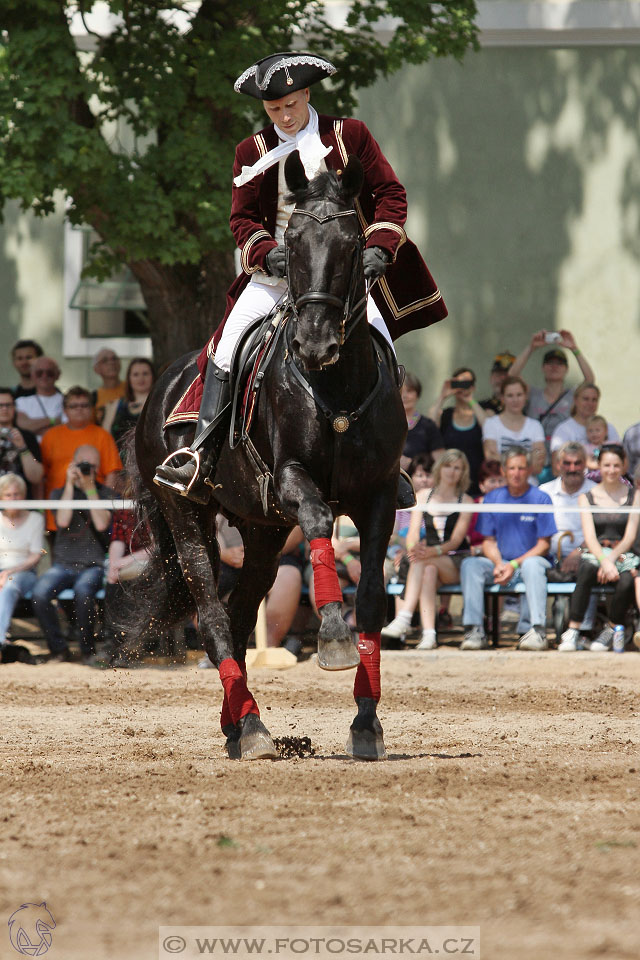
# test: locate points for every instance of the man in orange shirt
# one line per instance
(60, 443)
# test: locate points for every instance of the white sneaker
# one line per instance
(397, 629)
(603, 641)
(428, 640)
(475, 639)
(570, 641)
(533, 640)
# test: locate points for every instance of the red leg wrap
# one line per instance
(367, 682)
(239, 700)
(325, 578)
(225, 713)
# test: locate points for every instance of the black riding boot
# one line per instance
(406, 494)
(215, 408)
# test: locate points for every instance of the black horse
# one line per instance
(329, 429)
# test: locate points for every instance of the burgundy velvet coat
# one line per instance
(407, 295)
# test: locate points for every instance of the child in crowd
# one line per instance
(597, 434)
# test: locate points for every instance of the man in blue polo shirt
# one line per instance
(515, 549)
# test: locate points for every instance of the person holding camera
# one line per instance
(60, 443)
(461, 423)
(19, 449)
(551, 404)
(79, 552)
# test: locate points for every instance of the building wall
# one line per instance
(32, 294)
(522, 168)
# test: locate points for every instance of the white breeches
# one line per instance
(256, 300)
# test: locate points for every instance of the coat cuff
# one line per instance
(383, 233)
(255, 250)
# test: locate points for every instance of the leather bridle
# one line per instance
(352, 312)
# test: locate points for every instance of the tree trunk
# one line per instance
(185, 303)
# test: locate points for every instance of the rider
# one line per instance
(405, 297)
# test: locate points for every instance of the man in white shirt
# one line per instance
(564, 491)
(44, 408)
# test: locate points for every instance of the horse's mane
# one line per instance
(326, 186)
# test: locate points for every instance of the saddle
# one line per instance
(250, 358)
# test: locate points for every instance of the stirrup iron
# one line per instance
(180, 488)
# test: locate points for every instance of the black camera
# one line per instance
(461, 384)
(5, 438)
(85, 467)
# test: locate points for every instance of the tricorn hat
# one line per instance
(281, 74)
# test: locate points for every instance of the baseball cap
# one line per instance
(555, 354)
(502, 362)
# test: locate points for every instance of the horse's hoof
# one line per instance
(232, 746)
(338, 654)
(366, 742)
(254, 741)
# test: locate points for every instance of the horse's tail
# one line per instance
(158, 598)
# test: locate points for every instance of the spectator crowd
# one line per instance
(523, 448)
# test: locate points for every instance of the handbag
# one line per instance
(626, 561)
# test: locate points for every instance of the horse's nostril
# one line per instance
(296, 345)
(332, 349)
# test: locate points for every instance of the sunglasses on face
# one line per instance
(78, 406)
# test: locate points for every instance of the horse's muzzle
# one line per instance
(315, 357)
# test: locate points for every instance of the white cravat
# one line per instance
(307, 141)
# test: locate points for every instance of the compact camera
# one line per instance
(461, 384)
(5, 438)
(552, 337)
(85, 467)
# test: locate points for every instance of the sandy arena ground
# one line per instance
(509, 801)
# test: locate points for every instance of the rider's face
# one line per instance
(290, 113)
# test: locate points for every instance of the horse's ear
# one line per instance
(294, 175)
(353, 177)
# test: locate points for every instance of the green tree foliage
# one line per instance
(137, 124)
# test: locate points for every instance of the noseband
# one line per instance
(351, 312)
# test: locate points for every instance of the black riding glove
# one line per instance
(276, 261)
(375, 262)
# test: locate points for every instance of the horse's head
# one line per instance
(324, 254)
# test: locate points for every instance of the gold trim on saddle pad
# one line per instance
(188, 416)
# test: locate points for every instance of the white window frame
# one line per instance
(74, 343)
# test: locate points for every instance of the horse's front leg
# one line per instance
(366, 740)
(300, 495)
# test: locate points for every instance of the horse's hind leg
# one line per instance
(262, 546)
(366, 741)
(193, 528)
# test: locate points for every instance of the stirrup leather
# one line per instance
(179, 487)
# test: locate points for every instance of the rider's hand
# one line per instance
(276, 261)
(374, 261)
